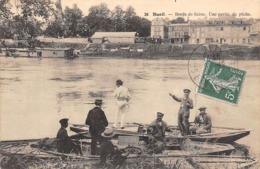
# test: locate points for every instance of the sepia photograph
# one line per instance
(109, 84)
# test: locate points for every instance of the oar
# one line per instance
(191, 155)
(89, 103)
(71, 155)
(79, 125)
(208, 134)
(139, 124)
(230, 128)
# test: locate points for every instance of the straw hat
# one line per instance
(108, 133)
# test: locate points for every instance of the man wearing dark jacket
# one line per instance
(64, 143)
(202, 122)
(184, 111)
(156, 131)
(97, 122)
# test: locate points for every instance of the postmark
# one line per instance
(220, 53)
(221, 81)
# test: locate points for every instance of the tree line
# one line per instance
(31, 18)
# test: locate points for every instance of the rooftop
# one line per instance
(114, 34)
(53, 49)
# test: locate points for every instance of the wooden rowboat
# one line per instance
(129, 144)
(199, 157)
(218, 134)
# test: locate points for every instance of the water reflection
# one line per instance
(35, 94)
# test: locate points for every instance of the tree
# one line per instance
(130, 12)
(5, 15)
(98, 18)
(55, 29)
(178, 20)
(83, 28)
(145, 27)
(5, 9)
(36, 8)
(72, 17)
(5, 32)
(22, 28)
(27, 23)
(140, 25)
(118, 19)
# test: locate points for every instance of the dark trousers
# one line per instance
(183, 123)
(94, 139)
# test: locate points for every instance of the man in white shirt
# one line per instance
(122, 95)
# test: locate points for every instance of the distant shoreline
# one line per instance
(159, 51)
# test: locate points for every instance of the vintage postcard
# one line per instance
(170, 83)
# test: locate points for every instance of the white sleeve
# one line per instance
(115, 94)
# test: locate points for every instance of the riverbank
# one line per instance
(175, 51)
(157, 51)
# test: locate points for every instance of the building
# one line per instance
(220, 30)
(114, 37)
(255, 31)
(160, 28)
(54, 52)
(179, 33)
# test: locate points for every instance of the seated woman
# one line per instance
(202, 123)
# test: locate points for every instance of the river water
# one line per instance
(35, 94)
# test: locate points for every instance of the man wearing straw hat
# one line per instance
(202, 122)
(109, 156)
(97, 122)
(184, 111)
(122, 96)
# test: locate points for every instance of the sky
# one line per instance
(202, 8)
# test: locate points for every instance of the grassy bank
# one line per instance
(147, 50)
(239, 52)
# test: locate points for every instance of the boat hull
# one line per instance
(226, 136)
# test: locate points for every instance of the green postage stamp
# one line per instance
(221, 82)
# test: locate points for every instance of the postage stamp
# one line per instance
(221, 54)
(221, 81)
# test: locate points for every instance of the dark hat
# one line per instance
(119, 82)
(160, 114)
(186, 90)
(108, 133)
(98, 101)
(202, 108)
(63, 121)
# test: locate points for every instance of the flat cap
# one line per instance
(202, 108)
(160, 114)
(186, 90)
(63, 121)
(98, 101)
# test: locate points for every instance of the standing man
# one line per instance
(97, 122)
(184, 111)
(122, 95)
(64, 143)
(156, 132)
(202, 122)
